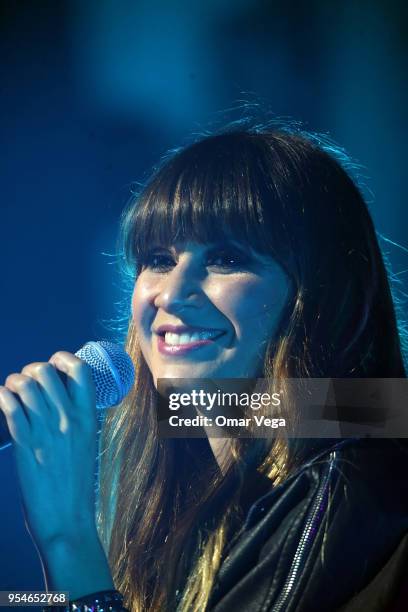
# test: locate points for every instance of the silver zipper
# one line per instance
(308, 536)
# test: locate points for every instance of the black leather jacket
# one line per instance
(333, 537)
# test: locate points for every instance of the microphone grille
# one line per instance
(112, 371)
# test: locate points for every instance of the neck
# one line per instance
(221, 449)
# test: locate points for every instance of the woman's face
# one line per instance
(207, 310)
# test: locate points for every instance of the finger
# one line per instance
(53, 390)
(43, 373)
(16, 417)
(31, 398)
(79, 382)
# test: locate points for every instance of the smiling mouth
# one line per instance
(177, 339)
(178, 343)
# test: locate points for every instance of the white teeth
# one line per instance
(185, 338)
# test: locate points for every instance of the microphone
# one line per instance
(112, 372)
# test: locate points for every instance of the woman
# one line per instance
(252, 254)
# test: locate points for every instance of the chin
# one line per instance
(188, 372)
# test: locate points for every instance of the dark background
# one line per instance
(93, 92)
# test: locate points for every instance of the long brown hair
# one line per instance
(165, 509)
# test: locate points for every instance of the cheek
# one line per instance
(142, 316)
(239, 299)
(253, 306)
(141, 303)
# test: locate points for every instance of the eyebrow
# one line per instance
(228, 242)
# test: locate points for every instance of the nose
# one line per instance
(180, 289)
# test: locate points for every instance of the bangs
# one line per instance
(212, 192)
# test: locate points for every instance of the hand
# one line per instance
(53, 427)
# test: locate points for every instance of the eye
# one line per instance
(160, 261)
(229, 259)
(225, 259)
